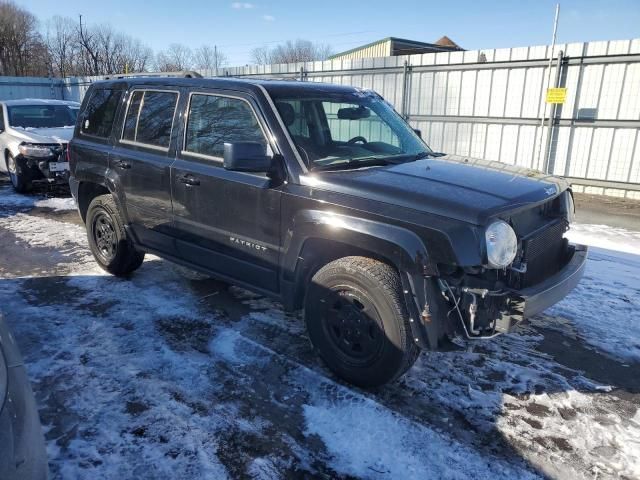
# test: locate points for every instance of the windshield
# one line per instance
(42, 116)
(347, 129)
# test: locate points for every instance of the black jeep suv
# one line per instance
(324, 198)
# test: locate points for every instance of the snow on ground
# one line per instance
(606, 237)
(595, 312)
(11, 199)
(160, 376)
(57, 204)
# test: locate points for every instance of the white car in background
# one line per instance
(34, 134)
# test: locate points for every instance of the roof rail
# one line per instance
(181, 73)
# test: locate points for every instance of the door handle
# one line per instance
(123, 164)
(189, 180)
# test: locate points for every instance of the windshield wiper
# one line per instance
(349, 163)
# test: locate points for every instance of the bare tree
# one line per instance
(89, 57)
(21, 48)
(77, 49)
(291, 52)
(209, 58)
(62, 43)
(261, 55)
(176, 57)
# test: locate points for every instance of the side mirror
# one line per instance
(247, 157)
(418, 132)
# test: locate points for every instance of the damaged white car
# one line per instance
(34, 134)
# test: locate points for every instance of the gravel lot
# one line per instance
(159, 376)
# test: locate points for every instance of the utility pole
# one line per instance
(544, 93)
(215, 59)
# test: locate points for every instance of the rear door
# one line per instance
(141, 162)
(225, 220)
(92, 143)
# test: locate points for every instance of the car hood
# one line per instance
(467, 189)
(43, 135)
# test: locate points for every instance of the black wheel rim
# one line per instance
(352, 325)
(13, 172)
(104, 236)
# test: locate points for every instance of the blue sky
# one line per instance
(238, 27)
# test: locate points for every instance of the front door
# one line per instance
(141, 162)
(226, 221)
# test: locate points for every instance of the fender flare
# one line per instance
(398, 246)
(106, 178)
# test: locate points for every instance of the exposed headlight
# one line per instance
(502, 244)
(33, 150)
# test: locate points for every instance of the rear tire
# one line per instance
(108, 240)
(357, 321)
(20, 181)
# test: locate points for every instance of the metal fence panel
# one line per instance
(485, 103)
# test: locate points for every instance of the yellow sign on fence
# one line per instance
(556, 95)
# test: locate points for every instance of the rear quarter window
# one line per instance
(98, 116)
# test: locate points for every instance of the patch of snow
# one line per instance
(64, 239)
(605, 237)
(11, 199)
(367, 440)
(603, 309)
(57, 204)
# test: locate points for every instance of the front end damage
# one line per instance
(43, 163)
(483, 306)
(482, 302)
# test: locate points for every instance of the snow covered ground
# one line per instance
(164, 377)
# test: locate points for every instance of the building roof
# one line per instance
(446, 42)
(411, 46)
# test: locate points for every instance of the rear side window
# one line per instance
(149, 119)
(100, 112)
(214, 120)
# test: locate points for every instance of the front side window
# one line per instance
(149, 118)
(41, 116)
(99, 113)
(334, 130)
(214, 120)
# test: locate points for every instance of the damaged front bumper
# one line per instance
(52, 170)
(549, 292)
(481, 312)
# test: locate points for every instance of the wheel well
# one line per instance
(316, 253)
(87, 191)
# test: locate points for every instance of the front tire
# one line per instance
(21, 183)
(357, 321)
(108, 240)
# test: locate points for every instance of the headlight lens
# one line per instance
(32, 150)
(502, 244)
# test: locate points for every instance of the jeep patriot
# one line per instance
(324, 198)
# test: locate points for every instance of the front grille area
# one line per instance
(544, 252)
